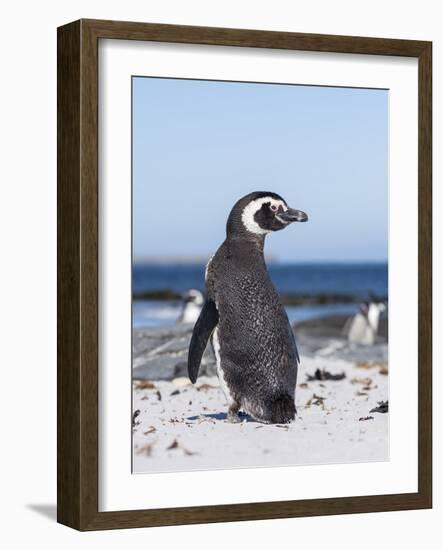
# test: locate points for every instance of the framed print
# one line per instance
(244, 275)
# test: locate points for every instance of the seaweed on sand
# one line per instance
(323, 374)
(382, 407)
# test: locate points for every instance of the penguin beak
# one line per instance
(186, 297)
(290, 215)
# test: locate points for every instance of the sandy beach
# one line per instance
(179, 426)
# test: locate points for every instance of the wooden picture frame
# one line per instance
(77, 456)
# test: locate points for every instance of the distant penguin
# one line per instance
(192, 305)
(363, 327)
(254, 346)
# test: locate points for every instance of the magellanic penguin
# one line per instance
(254, 346)
(363, 327)
(193, 301)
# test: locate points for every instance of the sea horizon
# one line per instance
(198, 260)
(306, 288)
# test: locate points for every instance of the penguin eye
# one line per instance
(274, 207)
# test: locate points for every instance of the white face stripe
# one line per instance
(250, 210)
(281, 220)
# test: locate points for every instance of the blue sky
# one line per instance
(199, 146)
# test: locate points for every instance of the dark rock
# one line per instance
(161, 353)
(287, 298)
(333, 326)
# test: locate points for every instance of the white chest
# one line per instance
(220, 374)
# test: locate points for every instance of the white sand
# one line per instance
(189, 431)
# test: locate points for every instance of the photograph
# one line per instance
(259, 275)
(222, 214)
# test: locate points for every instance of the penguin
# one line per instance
(193, 302)
(253, 342)
(363, 327)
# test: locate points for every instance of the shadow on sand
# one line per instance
(222, 416)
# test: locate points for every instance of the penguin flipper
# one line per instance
(203, 328)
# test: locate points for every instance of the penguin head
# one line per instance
(193, 296)
(260, 213)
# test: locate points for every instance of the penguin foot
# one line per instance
(233, 418)
(233, 415)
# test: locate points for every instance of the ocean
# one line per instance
(360, 280)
